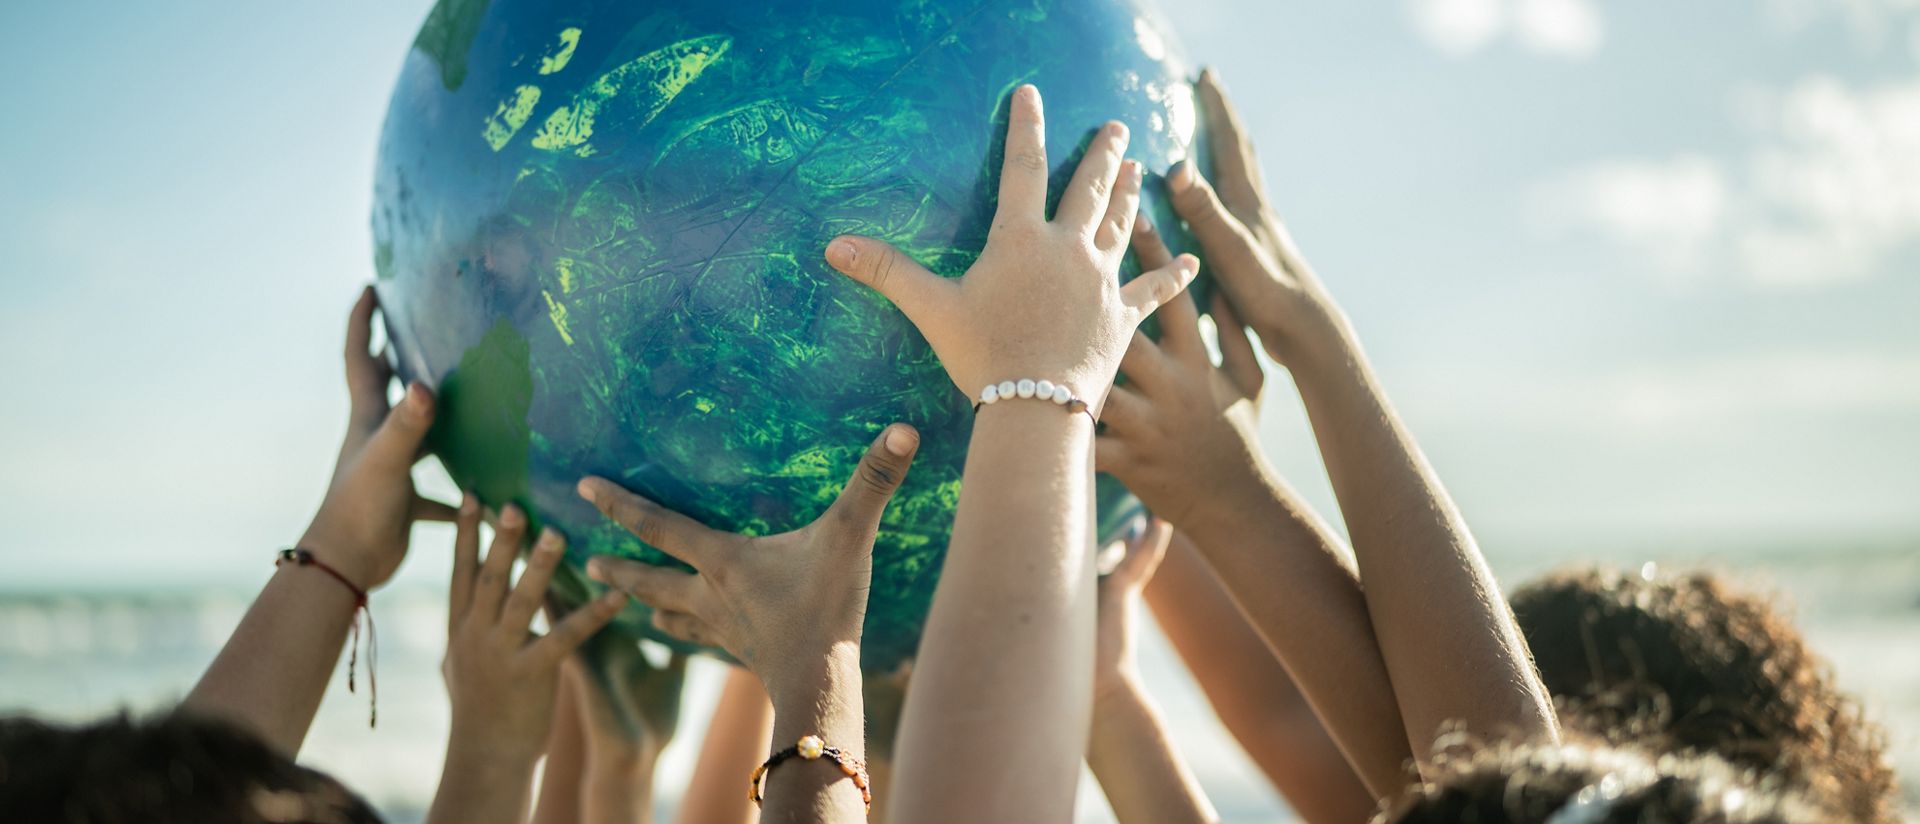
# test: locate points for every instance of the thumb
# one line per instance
(888, 271)
(396, 444)
(880, 473)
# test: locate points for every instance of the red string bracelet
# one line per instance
(302, 557)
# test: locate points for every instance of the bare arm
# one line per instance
(736, 743)
(997, 712)
(1251, 691)
(1181, 434)
(1145, 779)
(1445, 632)
(272, 672)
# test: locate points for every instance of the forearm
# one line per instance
(1284, 570)
(480, 787)
(1145, 780)
(563, 774)
(736, 742)
(824, 702)
(273, 670)
(1251, 692)
(1445, 631)
(618, 793)
(997, 715)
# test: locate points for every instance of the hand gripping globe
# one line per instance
(598, 233)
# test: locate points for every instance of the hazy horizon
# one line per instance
(1640, 276)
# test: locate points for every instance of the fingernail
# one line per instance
(612, 600)
(1181, 176)
(549, 543)
(1117, 129)
(596, 568)
(469, 505)
(416, 400)
(1210, 75)
(1143, 221)
(900, 441)
(512, 517)
(585, 488)
(842, 254)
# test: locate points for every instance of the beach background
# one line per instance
(1640, 275)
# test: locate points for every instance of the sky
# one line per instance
(1638, 274)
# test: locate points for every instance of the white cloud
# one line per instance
(1871, 23)
(1558, 28)
(1565, 28)
(1459, 27)
(1829, 192)
(1672, 208)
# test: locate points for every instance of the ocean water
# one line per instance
(76, 655)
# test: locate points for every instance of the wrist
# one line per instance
(483, 753)
(339, 555)
(1320, 342)
(1115, 688)
(802, 683)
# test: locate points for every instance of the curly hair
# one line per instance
(1521, 783)
(172, 767)
(1688, 664)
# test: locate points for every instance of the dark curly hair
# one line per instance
(1688, 664)
(172, 767)
(1521, 783)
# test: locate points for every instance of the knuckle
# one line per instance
(1032, 160)
(878, 476)
(884, 269)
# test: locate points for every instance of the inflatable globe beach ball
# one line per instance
(598, 231)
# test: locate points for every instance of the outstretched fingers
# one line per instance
(1117, 226)
(884, 269)
(1237, 357)
(1151, 290)
(367, 374)
(1023, 174)
(656, 586)
(490, 586)
(466, 561)
(1231, 249)
(1149, 248)
(1233, 158)
(1091, 189)
(531, 591)
(395, 446)
(576, 628)
(657, 526)
(881, 470)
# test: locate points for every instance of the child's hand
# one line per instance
(361, 528)
(1183, 432)
(629, 708)
(1114, 665)
(781, 604)
(1043, 300)
(1245, 245)
(501, 678)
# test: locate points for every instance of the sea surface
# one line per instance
(75, 655)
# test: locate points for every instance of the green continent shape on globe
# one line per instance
(598, 229)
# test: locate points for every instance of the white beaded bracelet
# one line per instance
(1029, 388)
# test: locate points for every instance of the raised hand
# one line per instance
(1247, 248)
(362, 524)
(778, 603)
(1182, 432)
(501, 677)
(1043, 300)
(789, 606)
(1115, 664)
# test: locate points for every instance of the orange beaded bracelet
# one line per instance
(810, 748)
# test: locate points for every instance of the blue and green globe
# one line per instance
(598, 228)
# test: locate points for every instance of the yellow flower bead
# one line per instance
(810, 747)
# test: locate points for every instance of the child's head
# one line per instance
(1687, 664)
(1570, 784)
(173, 767)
